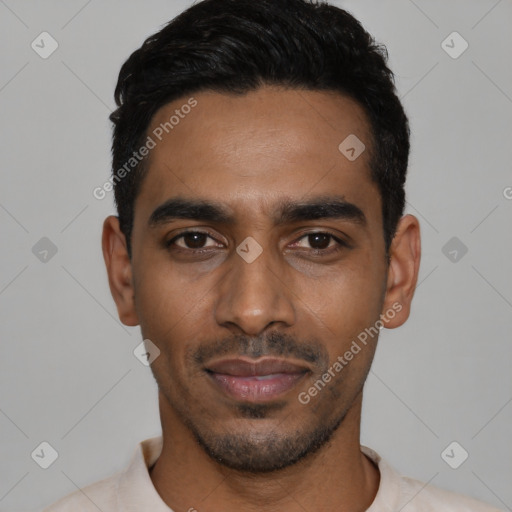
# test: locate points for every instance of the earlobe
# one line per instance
(405, 256)
(119, 270)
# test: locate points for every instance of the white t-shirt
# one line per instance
(132, 490)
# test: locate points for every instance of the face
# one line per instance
(258, 259)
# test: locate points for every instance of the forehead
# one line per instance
(245, 150)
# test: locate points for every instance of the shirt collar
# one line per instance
(136, 490)
(388, 494)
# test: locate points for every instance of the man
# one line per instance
(259, 161)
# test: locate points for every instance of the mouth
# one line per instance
(256, 381)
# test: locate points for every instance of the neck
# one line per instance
(337, 477)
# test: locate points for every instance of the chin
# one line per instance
(260, 447)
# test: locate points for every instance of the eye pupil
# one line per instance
(195, 240)
(323, 237)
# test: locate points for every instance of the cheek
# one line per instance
(172, 310)
(344, 301)
(164, 291)
(161, 301)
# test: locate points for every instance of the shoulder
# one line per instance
(101, 495)
(128, 486)
(397, 492)
(419, 497)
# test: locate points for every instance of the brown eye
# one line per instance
(320, 241)
(193, 240)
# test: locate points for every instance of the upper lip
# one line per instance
(239, 367)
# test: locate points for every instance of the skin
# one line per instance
(250, 152)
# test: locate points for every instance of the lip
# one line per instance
(256, 381)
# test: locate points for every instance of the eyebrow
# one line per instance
(286, 211)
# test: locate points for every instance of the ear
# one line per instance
(119, 270)
(405, 255)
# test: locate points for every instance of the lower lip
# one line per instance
(252, 389)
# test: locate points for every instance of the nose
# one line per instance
(254, 296)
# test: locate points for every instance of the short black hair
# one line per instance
(237, 46)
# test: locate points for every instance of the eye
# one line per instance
(192, 240)
(320, 242)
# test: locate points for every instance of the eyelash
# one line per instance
(341, 243)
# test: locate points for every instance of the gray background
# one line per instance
(67, 372)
